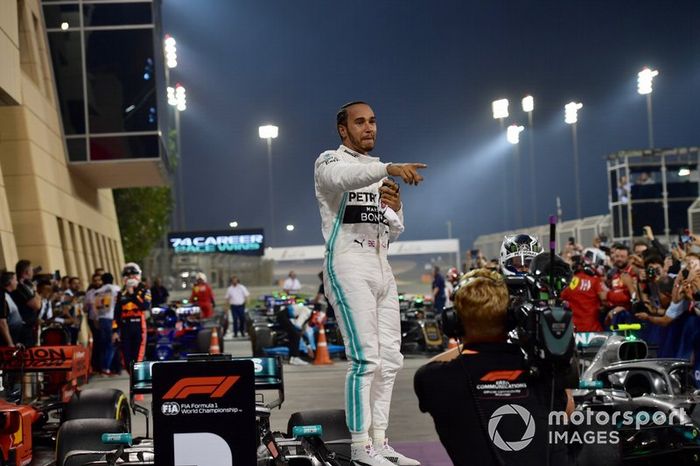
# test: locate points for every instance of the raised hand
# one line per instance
(407, 171)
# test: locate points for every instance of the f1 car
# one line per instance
(649, 403)
(177, 330)
(49, 380)
(268, 325)
(314, 438)
(420, 329)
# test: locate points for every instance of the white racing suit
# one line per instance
(359, 282)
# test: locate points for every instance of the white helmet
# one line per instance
(131, 268)
(594, 256)
(517, 252)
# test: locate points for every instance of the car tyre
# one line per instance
(84, 434)
(98, 403)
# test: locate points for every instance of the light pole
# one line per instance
(528, 104)
(513, 137)
(270, 132)
(499, 109)
(644, 87)
(571, 118)
(177, 97)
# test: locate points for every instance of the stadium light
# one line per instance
(177, 97)
(684, 172)
(180, 97)
(233, 224)
(528, 103)
(500, 109)
(268, 132)
(645, 79)
(290, 227)
(64, 26)
(513, 133)
(571, 112)
(170, 50)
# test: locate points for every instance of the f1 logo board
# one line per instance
(204, 413)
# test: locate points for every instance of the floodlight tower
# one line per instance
(270, 132)
(571, 118)
(645, 80)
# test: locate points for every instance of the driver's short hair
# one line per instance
(481, 301)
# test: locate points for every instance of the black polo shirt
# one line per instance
(486, 397)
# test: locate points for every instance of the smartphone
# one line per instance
(572, 240)
(674, 245)
(474, 254)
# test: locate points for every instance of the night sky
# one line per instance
(430, 69)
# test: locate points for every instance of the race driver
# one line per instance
(129, 315)
(361, 212)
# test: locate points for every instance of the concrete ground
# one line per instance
(321, 387)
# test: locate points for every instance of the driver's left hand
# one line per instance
(389, 194)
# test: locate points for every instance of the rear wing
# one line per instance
(70, 358)
(268, 376)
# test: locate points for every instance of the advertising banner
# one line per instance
(246, 242)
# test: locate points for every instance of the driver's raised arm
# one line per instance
(335, 175)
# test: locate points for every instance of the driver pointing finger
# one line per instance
(361, 214)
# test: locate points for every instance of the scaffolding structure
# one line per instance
(654, 187)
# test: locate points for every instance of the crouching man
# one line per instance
(486, 408)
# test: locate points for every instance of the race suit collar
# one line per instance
(357, 155)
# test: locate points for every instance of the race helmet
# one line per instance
(452, 275)
(131, 268)
(593, 261)
(517, 252)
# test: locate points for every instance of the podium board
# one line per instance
(204, 413)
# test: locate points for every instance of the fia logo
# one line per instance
(170, 408)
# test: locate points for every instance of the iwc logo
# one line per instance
(170, 408)
(528, 435)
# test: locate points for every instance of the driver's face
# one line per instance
(360, 133)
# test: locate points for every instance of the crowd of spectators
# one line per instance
(32, 302)
(645, 282)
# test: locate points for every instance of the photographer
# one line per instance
(463, 388)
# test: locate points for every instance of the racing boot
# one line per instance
(365, 455)
(394, 456)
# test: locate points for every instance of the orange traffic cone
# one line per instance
(452, 343)
(322, 354)
(214, 347)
